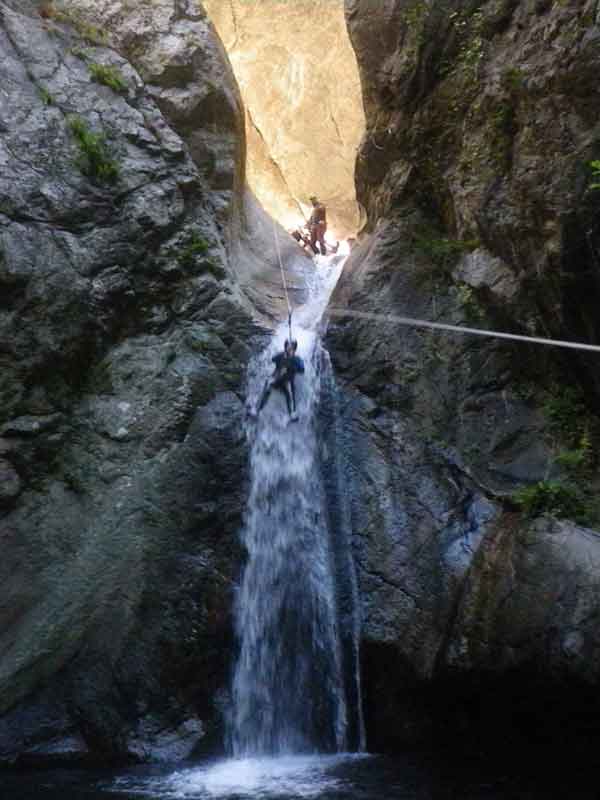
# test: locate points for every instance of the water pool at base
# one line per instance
(339, 777)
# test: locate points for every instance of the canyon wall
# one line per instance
(471, 462)
(304, 118)
(131, 257)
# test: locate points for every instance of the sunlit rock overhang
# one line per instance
(304, 116)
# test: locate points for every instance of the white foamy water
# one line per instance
(288, 689)
(288, 694)
(282, 777)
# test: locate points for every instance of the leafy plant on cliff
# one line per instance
(553, 497)
(578, 461)
(194, 255)
(595, 168)
(95, 159)
(90, 33)
(46, 97)
(196, 246)
(108, 76)
(415, 17)
(513, 79)
(468, 27)
(567, 415)
(468, 301)
(442, 253)
(574, 434)
(79, 52)
(502, 132)
(441, 250)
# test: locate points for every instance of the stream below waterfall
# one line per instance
(423, 776)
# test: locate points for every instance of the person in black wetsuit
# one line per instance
(287, 366)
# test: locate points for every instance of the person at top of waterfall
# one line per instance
(287, 366)
(317, 225)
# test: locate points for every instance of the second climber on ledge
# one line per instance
(317, 225)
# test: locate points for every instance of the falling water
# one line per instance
(288, 687)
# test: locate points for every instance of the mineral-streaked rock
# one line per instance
(298, 76)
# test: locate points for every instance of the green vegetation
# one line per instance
(196, 246)
(441, 253)
(503, 128)
(578, 461)
(574, 495)
(47, 98)
(216, 270)
(108, 76)
(468, 26)
(415, 15)
(595, 167)
(415, 18)
(432, 352)
(553, 497)
(95, 159)
(578, 431)
(503, 118)
(90, 33)
(513, 79)
(466, 297)
(195, 249)
(79, 52)
(567, 414)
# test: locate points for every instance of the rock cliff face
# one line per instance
(126, 320)
(298, 77)
(475, 174)
(185, 71)
(137, 275)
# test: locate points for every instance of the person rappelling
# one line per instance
(287, 366)
(317, 225)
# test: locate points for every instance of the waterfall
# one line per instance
(288, 693)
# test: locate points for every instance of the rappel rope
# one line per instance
(285, 289)
(441, 326)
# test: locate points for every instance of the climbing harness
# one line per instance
(441, 326)
(287, 297)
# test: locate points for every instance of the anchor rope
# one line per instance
(442, 326)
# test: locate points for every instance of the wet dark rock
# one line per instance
(10, 484)
(475, 180)
(41, 733)
(126, 323)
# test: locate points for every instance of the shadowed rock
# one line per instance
(474, 175)
(124, 339)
